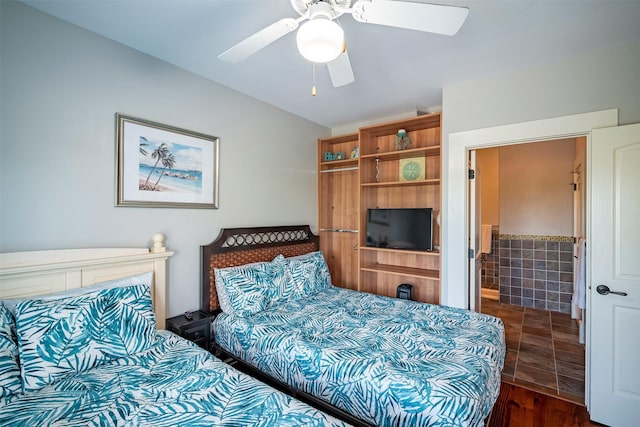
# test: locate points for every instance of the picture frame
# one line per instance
(165, 166)
(411, 169)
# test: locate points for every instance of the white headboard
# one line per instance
(24, 274)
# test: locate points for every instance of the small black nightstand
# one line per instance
(199, 330)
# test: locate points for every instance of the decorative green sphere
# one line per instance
(411, 171)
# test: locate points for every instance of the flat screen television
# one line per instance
(400, 228)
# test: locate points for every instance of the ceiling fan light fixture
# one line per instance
(320, 40)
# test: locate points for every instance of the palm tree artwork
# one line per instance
(169, 161)
(158, 154)
(166, 157)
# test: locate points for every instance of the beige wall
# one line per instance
(488, 161)
(580, 171)
(536, 196)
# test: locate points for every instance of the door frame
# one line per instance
(455, 208)
(475, 233)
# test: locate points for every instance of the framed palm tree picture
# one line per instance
(165, 166)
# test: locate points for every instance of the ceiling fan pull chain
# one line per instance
(313, 87)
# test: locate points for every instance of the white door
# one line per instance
(614, 323)
(475, 253)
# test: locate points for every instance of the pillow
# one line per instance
(283, 288)
(248, 289)
(76, 333)
(308, 273)
(10, 380)
(144, 278)
(244, 290)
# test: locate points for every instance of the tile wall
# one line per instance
(536, 271)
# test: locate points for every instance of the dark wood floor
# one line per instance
(520, 407)
(543, 375)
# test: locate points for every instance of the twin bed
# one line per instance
(76, 351)
(96, 355)
(382, 361)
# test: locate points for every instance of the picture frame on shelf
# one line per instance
(411, 169)
(165, 166)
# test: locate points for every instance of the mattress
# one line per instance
(173, 383)
(387, 361)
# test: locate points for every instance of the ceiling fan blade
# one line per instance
(432, 18)
(257, 41)
(340, 70)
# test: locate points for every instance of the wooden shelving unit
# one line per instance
(338, 209)
(382, 270)
(347, 188)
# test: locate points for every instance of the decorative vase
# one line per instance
(402, 140)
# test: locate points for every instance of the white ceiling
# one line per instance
(396, 70)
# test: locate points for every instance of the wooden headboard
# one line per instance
(238, 246)
(33, 273)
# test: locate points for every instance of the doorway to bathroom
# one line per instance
(531, 207)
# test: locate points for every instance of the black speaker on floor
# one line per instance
(404, 291)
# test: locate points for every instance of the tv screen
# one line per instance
(400, 228)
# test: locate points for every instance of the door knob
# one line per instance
(604, 290)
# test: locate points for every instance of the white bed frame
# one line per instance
(33, 273)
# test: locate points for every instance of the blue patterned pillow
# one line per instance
(283, 288)
(246, 289)
(144, 278)
(10, 380)
(76, 333)
(308, 274)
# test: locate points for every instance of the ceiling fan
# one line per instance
(321, 39)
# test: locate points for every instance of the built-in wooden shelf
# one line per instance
(401, 183)
(398, 270)
(344, 162)
(433, 150)
(338, 214)
(349, 187)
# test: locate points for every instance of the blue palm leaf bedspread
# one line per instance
(388, 361)
(174, 383)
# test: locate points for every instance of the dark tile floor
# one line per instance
(543, 352)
